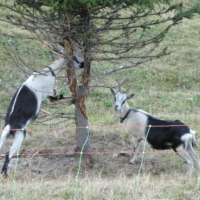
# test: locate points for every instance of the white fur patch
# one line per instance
(192, 132)
(18, 139)
(4, 137)
(136, 123)
(193, 136)
(186, 137)
(77, 62)
(13, 106)
(143, 111)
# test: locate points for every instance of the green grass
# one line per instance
(168, 88)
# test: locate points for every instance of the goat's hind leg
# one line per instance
(193, 155)
(180, 150)
(18, 139)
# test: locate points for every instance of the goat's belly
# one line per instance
(163, 147)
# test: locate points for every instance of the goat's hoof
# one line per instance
(135, 161)
(4, 173)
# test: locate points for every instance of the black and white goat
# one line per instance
(162, 135)
(26, 102)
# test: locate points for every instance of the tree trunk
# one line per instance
(79, 92)
(82, 131)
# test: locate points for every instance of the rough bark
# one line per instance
(79, 92)
(82, 133)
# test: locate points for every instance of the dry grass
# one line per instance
(168, 89)
(176, 187)
(162, 176)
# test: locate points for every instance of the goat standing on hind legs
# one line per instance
(26, 102)
(162, 135)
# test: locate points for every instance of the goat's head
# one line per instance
(121, 98)
(78, 63)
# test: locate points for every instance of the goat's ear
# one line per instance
(113, 91)
(130, 96)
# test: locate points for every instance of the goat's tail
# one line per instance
(194, 143)
(4, 137)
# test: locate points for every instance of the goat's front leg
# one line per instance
(136, 145)
(55, 97)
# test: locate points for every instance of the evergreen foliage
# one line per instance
(73, 4)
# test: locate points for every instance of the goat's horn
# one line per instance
(130, 88)
(118, 85)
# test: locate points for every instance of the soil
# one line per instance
(62, 162)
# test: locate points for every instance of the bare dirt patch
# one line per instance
(58, 162)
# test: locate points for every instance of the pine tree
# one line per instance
(100, 30)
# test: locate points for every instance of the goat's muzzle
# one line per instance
(116, 107)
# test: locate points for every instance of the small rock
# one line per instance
(26, 164)
(70, 152)
(40, 158)
(67, 159)
(96, 165)
(190, 99)
(58, 151)
(70, 159)
(115, 155)
(36, 171)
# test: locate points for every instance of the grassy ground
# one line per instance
(168, 89)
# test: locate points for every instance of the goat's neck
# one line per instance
(57, 65)
(125, 108)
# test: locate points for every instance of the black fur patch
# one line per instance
(82, 65)
(25, 107)
(162, 138)
(5, 166)
(56, 98)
